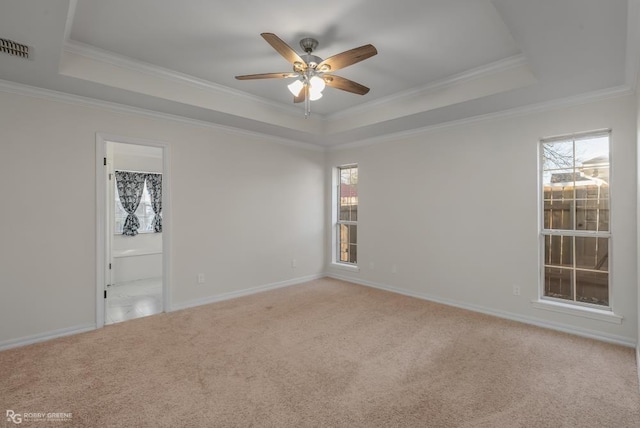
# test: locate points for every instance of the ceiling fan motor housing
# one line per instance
(312, 60)
(308, 44)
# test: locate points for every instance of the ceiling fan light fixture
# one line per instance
(317, 84)
(314, 96)
(295, 87)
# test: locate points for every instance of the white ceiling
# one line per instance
(438, 60)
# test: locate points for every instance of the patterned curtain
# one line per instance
(154, 186)
(130, 186)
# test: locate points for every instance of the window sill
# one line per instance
(133, 253)
(580, 311)
(350, 268)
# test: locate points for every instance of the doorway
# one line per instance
(133, 230)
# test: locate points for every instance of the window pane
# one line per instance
(353, 253)
(558, 250)
(348, 198)
(558, 283)
(353, 243)
(345, 176)
(353, 234)
(345, 212)
(592, 287)
(592, 152)
(554, 193)
(349, 207)
(557, 180)
(143, 210)
(347, 242)
(593, 213)
(343, 242)
(603, 216)
(592, 253)
(596, 169)
(558, 195)
(557, 215)
(557, 155)
(592, 189)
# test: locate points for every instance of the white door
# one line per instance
(109, 224)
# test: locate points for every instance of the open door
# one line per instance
(109, 193)
(132, 230)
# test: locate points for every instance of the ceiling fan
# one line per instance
(312, 73)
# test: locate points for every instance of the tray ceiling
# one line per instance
(438, 60)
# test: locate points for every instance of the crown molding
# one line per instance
(122, 61)
(47, 94)
(604, 94)
(474, 73)
(51, 95)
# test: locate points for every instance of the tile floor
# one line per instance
(134, 299)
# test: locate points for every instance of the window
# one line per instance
(576, 237)
(144, 212)
(347, 215)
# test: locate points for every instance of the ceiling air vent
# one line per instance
(12, 48)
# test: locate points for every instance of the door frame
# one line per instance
(102, 218)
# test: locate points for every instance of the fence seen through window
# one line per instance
(575, 230)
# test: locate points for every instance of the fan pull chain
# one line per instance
(307, 101)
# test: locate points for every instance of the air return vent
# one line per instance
(12, 48)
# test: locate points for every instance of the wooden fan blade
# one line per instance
(299, 98)
(302, 95)
(345, 84)
(285, 50)
(282, 75)
(347, 58)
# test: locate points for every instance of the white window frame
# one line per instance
(564, 305)
(336, 222)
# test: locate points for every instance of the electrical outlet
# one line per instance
(394, 268)
(200, 278)
(372, 265)
(294, 263)
(516, 290)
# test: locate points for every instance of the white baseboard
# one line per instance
(245, 292)
(22, 341)
(41, 337)
(604, 337)
(619, 340)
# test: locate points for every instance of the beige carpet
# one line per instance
(325, 353)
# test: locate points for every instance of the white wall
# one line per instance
(131, 157)
(456, 210)
(242, 208)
